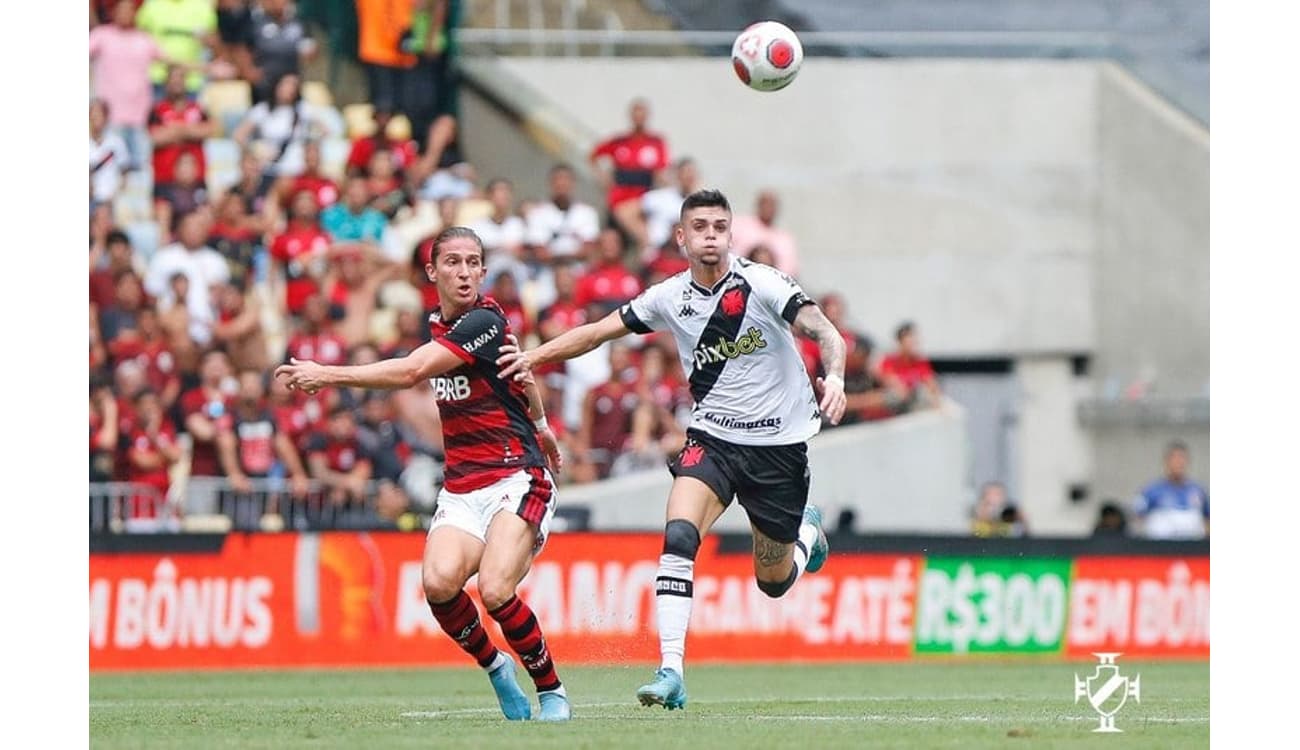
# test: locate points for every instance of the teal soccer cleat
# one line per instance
(514, 704)
(821, 548)
(668, 690)
(555, 706)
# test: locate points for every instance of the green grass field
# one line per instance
(970, 704)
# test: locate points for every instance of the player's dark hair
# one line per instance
(116, 237)
(705, 199)
(562, 166)
(1176, 445)
(904, 328)
(430, 247)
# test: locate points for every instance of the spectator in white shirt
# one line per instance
(109, 157)
(281, 127)
(202, 267)
(663, 206)
(562, 224)
(503, 234)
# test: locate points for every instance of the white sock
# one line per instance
(558, 691)
(674, 589)
(498, 662)
(803, 547)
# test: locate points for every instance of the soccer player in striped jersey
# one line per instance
(498, 496)
(754, 411)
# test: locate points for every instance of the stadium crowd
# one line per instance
(237, 218)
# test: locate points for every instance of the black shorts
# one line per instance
(771, 481)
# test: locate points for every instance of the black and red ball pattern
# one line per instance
(780, 53)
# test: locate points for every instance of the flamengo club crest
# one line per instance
(1107, 690)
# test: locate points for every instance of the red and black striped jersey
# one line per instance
(486, 432)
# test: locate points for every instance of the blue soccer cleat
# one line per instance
(821, 548)
(555, 706)
(668, 690)
(514, 704)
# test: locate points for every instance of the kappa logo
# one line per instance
(1107, 690)
(686, 311)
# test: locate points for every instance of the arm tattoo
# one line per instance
(812, 323)
(768, 552)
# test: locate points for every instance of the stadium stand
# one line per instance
(419, 195)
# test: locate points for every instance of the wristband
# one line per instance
(541, 424)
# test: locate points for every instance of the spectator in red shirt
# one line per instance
(912, 369)
(607, 417)
(297, 414)
(403, 150)
(629, 165)
(608, 283)
(206, 411)
(315, 338)
(565, 312)
(506, 293)
(667, 262)
(312, 180)
(103, 281)
(151, 453)
(336, 460)
(251, 444)
(177, 125)
(147, 345)
(301, 253)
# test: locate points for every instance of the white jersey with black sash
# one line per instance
(739, 354)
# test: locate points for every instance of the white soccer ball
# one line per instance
(767, 56)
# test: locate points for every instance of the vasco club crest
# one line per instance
(1107, 690)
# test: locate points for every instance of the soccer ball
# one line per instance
(767, 56)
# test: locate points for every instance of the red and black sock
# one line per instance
(459, 619)
(519, 625)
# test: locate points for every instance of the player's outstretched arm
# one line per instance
(425, 362)
(812, 323)
(580, 340)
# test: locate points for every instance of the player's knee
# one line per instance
(494, 590)
(439, 587)
(681, 538)
(776, 589)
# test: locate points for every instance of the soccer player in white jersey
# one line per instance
(754, 411)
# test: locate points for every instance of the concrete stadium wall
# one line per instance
(1025, 209)
(961, 193)
(1152, 264)
(905, 475)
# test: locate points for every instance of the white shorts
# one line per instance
(529, 493)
